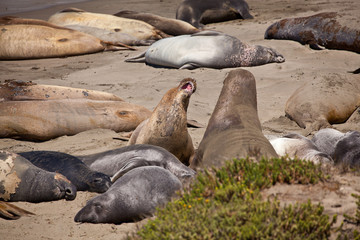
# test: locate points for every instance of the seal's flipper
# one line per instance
(134, 163)
(190, 66)
(316, 46)
(139, 58)
(206, 33)
(12, 212)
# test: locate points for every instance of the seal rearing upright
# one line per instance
(234, 129)
(167, 125)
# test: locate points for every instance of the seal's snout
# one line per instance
(280, 59)
(70, 193)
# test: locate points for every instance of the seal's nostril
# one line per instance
(70, 193)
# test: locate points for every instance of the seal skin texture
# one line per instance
(132, 197)
(206, 49)
(199, 12)
(119, 161)
(326, 139)
(234, 129)
(20, 180)
(326, 29)
(72, 168)
(167, 125)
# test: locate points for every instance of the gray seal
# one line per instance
(132, 197)
(119, 161)
(295, 145)
(199, 12)
(20, 180)
(347, 150)
(326, 139)
(208, 49)
(72, 168)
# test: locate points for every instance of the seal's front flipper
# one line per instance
(134, 163)
(315, 46)
(190, 66)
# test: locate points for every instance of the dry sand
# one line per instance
(145, 85)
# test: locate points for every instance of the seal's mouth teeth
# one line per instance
(188, 87)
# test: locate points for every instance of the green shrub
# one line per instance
(226, 203)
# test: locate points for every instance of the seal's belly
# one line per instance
(176, 52)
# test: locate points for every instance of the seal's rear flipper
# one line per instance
(139, 58)
(12, 212)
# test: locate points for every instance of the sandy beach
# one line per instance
(145, 85)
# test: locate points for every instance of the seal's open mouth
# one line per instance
(188, 87)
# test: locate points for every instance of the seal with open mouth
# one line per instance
(167, 125)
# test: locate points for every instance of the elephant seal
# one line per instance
(167, 125)
(326, 100)
(234, 129)
(199, 12)
(325, 140)
(44, 120)
(72, 168)
(295, 145)
(132, 197)
(11, 212)
(206, 49)
(111, 36)
(20, 180)
(324, 30)
(347, 150)
(138, 29)
(119, 161)
(20, 91)
(169, 26)
(29, 41)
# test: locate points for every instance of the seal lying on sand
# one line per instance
(167, 125)
(44, 120)
(20, 91)
(206, 49)
(138, 29)
(43, 40)
(119, 161)
(234, 129)
(169, 26)
(20, 180)
(196, 12)
(132, 197)
(347, 150)
(72, 168)
(329, 29)
(12, 212)
(327, 100)
(296, 145)
(326, 140)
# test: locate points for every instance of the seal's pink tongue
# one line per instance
(187, 86)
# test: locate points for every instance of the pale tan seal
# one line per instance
(139, 29)
(167, 125)
(47, 119)
(20, 90)
(326, 100)
(234, 129)
(27, 40)
(169, 26)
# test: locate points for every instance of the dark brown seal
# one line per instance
(199, 12)
(328, 29)
(167, 125)
(234, 129)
